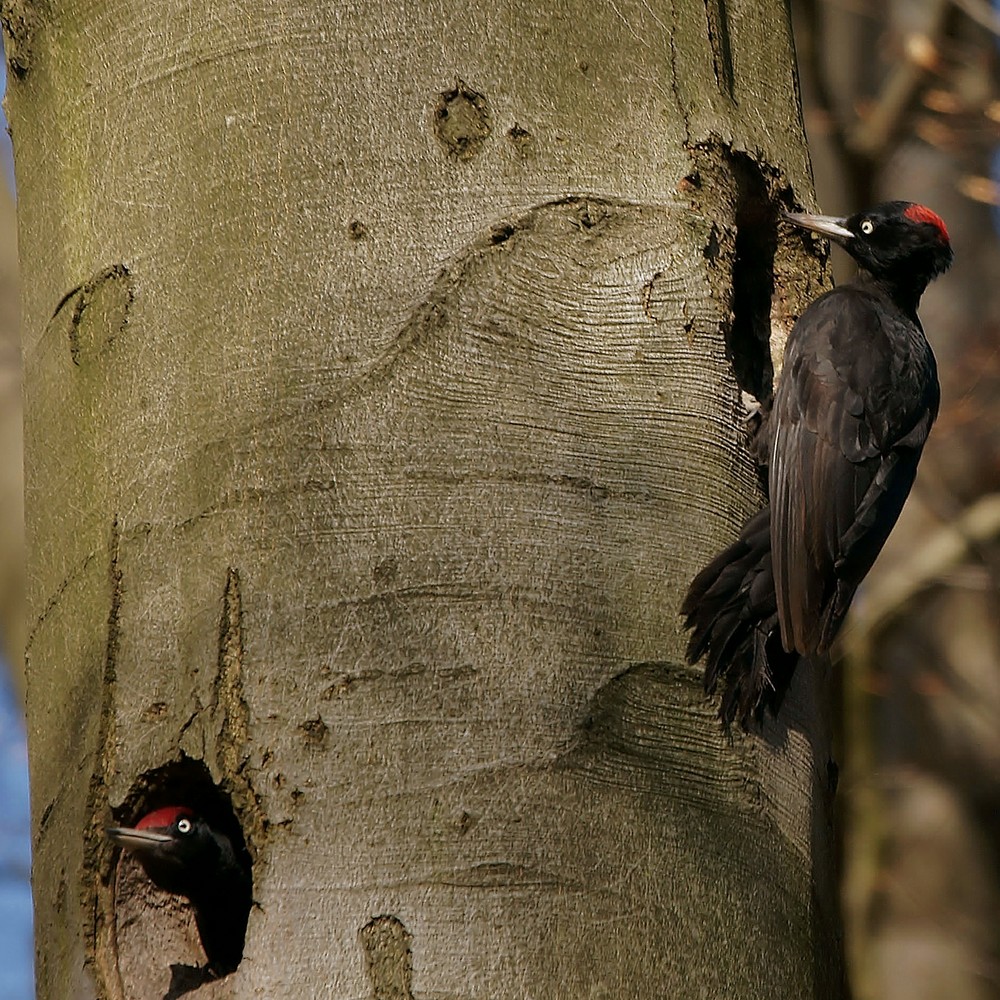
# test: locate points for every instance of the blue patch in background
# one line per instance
(17, 981)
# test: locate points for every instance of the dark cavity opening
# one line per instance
(753, 280)
(222, 893)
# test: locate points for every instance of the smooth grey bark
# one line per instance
(12, 612)
(379, 410)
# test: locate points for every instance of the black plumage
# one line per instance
(853, 408)
(184, 855)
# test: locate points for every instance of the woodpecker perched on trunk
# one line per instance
(183, 855)
(856, 400)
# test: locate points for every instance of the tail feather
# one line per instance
(732, 613)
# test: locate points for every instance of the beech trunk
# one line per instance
(383, 368)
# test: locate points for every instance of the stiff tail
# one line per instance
(732, 613)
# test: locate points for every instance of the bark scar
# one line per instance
(387, 945)
(18, 20)
(101, 307)
(462, 121)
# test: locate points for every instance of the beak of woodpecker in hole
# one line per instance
(826, 225)
(134, 839)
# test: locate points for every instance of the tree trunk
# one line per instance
(379, 410)
(11, 479)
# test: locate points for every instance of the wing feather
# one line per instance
(851, 415)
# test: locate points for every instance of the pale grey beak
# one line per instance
(132, 839)
(827, 225)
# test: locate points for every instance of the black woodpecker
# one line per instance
(183, 855)
(857, 397)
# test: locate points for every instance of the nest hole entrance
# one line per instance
(221, 910)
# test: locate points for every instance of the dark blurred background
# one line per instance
(901, 100)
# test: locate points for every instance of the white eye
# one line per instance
(867, 227)
(184, 826)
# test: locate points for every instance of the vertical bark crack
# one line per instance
(718, 38)
(98, 899)
(230, 704)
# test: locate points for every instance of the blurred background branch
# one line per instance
(901, 100)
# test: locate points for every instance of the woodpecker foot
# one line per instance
(756, 436)
(753, 406)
